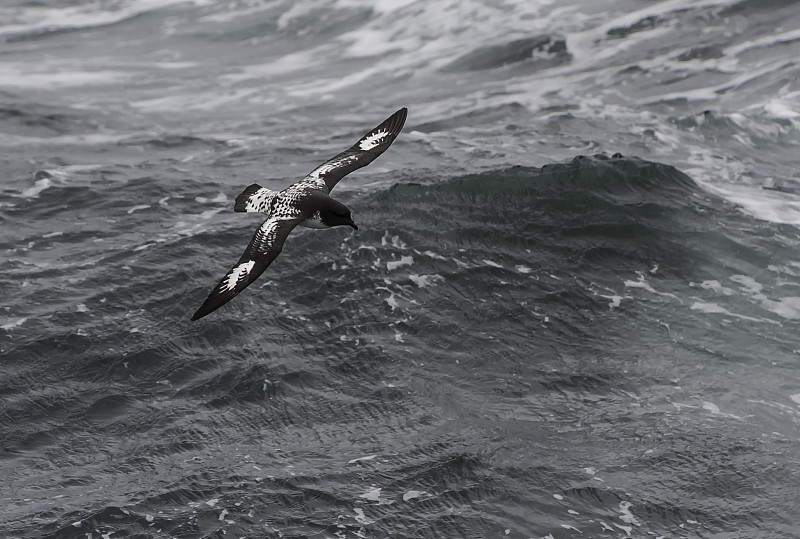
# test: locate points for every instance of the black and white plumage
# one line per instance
(305, 203)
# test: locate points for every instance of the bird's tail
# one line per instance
(254, 198)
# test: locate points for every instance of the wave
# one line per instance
(544, 50)
(35, 21)
(477, 312)
(587, 206)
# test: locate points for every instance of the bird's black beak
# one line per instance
(351, 223)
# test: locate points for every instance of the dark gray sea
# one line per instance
(571, 309)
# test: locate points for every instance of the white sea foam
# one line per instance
(37, 187)
(710, 308)
(373, 494)
(26, 76)
(787, 307)
(362, 459)
(711, 407)
(626, 514)
(714, 308)
(137, 208)
(12, 325)
(436, 256)
(715, 286)
(642, 283)
(424, 281)
(39, 18)
(361, 518)
(394, 241)
(412, 494)
(405, 260)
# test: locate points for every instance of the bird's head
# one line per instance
(342, 219)
(337, 214)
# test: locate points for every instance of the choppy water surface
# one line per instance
(571, 308)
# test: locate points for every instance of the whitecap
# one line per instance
(711, 407)
(362, 459)
(412, 494)
(373, 494)
(361, 518)
(405, 260)
(38, 186)
(12, 325)
(424, 281)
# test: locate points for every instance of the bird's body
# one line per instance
(305, 203)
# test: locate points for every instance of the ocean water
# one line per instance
(571, 308)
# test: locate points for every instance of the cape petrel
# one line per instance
(305, 203)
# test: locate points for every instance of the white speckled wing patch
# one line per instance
(372, 140)
(264, 240)
(264, 247)
(361, 154)
(236, 274)
(312, 181)
(338, 162)
(261, 200)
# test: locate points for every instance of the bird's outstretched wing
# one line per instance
(265, 246)
(361, 154)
